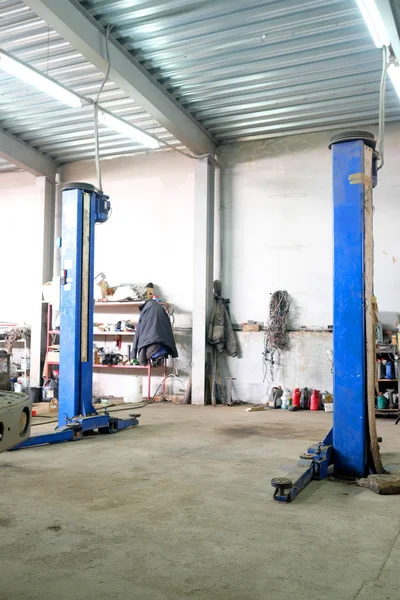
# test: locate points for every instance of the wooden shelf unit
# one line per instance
(114, 333)
(393, 383)
(133, 303)
(145, 370)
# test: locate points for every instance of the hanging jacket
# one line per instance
(220, 330)
(154, 327)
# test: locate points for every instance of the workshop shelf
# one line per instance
(114, 333)
(109, 303)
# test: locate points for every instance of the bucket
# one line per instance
(34, 393)
(381, 402)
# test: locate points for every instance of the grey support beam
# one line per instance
(45, 201)
(85, 34)
(203, 271)
(26, 157)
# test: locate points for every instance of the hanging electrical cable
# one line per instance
(96, 119)
(275, 338)
(96, 111)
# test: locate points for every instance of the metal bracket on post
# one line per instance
(319, 458)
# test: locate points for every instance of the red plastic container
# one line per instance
(296, 397)
(315, 400)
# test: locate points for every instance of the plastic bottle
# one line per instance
(285, 399)
(314, 402)
(304, 404)
(296, 397)
(378, 368)
(389, 370)
(382, 370)
(277, 396)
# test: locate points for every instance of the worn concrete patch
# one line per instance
(272, 431)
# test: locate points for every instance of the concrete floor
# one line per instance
(181, 508)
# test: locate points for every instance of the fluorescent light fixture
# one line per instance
(380, 36)
(43, 83)
(127, 129)
(374, 22)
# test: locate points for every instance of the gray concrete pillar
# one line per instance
(203, 271)
(45, 236)
(218, 225)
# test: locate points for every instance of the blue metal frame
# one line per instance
(349, 391)
(345, 447)
(82, 208)
(75, 392)
(318, 461)
(70, 306)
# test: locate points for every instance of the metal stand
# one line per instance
(345, 449)
(82, 207)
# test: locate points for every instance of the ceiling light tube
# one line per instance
(374, 22)
(127, 129)
(43, 83)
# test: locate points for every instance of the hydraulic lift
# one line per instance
(351, 448)
(82, 207)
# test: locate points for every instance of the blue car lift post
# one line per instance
(350, 448)
(82, 206)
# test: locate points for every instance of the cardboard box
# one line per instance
(53, 356)
(251, 327)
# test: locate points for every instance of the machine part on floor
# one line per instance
(351, 448)
(15, 419)
(317, 462)
(381, 484)
(82, 207)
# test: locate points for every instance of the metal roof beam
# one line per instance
(85, 34)
(26, 157)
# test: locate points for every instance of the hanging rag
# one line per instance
(153, 330)
(220, 330)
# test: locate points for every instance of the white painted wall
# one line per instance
(20, 245)
(149, 237)
(277, 234)
(386, 225)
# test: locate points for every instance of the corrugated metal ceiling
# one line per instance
(248, 68)
(63, 133)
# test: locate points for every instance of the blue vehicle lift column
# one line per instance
(350, 422)
(346, 449)
(82, 207)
